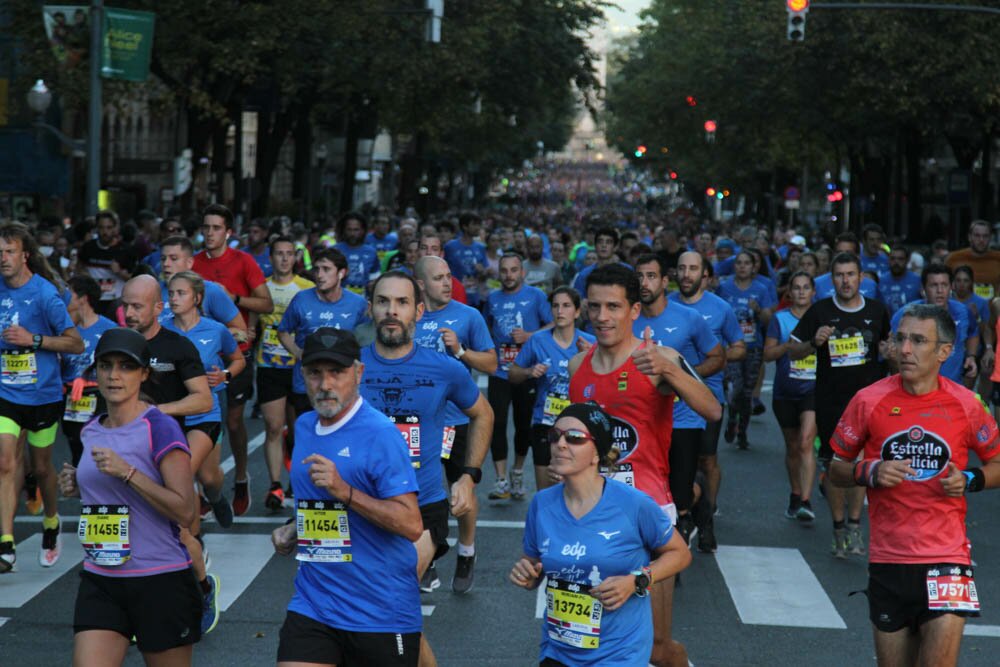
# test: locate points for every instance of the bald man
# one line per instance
(459, 331)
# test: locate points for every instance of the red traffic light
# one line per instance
(710, 192)
(835, 196)
(797, 5)
(691, 101)
(673, 176)
(710, 126)
(640, 149)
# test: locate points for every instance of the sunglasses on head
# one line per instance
(574, 436)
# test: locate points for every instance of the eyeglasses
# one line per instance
(574, 436)
(916, 339)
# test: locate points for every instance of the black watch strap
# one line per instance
(229, 376)
(475, 473)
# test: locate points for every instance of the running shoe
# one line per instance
(210, 606)
(686, 527)
(204, 507)
(289, 496)
(706, 537)
(855, 540)
(8, 556)
(464, 574)
(742, 442)
(48, 555)
(758, 407)
(730, 433)
(839, 545)
(275, 498)
(223, 511)
(501, 491)
(805, 513)
(794, 503)
(430, 580)
(241, 496)
(32, 496)
(516, 484)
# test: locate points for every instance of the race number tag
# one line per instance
(324, 535)
(508, 353)
(984, 291)
(621, 472)
(749, 328)
(803, 369)
(573, 616)
(18, 368)
(82, 410)
(103, 532)
(951, 588)
(553, 406)
(271, 347)
(847, 351)
(409, 426)
(447, 442)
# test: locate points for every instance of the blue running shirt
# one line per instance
(721, 319)
(553, 387)
(527, 308)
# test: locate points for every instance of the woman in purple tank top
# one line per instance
(136, 490)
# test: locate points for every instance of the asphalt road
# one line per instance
(772, 595)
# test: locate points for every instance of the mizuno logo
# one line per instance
(450, 322)
(706, 317)
(670, 329)
(606, 535)
(524, 303)
(346, 452)
(27, 302)
(868, 321)
(204, 341)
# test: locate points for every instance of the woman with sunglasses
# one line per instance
(599, 544)
(545, 358)
(136, 489)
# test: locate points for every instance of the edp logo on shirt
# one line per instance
(929, 454)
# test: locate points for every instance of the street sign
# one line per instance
(791, 193)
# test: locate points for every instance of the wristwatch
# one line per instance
(475, 473)
(36, 341)
(643, 580)
(461, 351)
(236, 299)
(229, 376)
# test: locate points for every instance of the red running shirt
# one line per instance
(915, 522)
(643, 420)
(237, 271)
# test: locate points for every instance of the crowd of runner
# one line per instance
(621, 343)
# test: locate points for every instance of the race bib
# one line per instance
(272, 349)
(984, 291)
(508, 353)
(447, 442)
(324, 535)
(803, 369)
(554, 404)
(18, 368)
(621, 472)
(409, 426)
(847, 351)
(103, 532)
(573, 616)
(82, 410)
(749, 328)
(951, 588)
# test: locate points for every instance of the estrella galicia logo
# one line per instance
(929, 454)
(624, 437)
(588, 391)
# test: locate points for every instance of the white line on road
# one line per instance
(772, 586)
(982, 630)
(252, 446)
(3, 620)
(30, 578)
(426, 609)
(243, 556)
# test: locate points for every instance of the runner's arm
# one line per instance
(175, 498)
(484, 362)
(736, 351)
(773, 350)
(68, 342)
(714, 362)
(287, 339)
(197, 401)
(259, 300)
(397, 514)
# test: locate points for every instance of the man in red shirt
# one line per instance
(916, 430)
(635, 380)
(242, 279)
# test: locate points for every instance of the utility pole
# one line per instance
(96, 113)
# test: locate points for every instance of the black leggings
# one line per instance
(501, 394)
(685, 445)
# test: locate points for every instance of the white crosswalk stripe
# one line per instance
(239, 559)
(29, 578)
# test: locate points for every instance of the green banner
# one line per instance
(127, 44)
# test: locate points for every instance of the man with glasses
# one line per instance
(846, 332)
(913, 433)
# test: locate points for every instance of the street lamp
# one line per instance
(39, 101)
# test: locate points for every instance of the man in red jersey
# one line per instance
(240, 275)
(915, 431)
(635, 380)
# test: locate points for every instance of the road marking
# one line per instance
(3, 620)
(30, 578)
(981, 630)
(493, 524)
(426, 609)
(772, 586)
(241, 558)
(540, 598)
(252, 446)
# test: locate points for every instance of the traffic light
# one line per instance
(691, 101)
(797, 10)
(640, 150)
(710, 127)
(710, 192)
